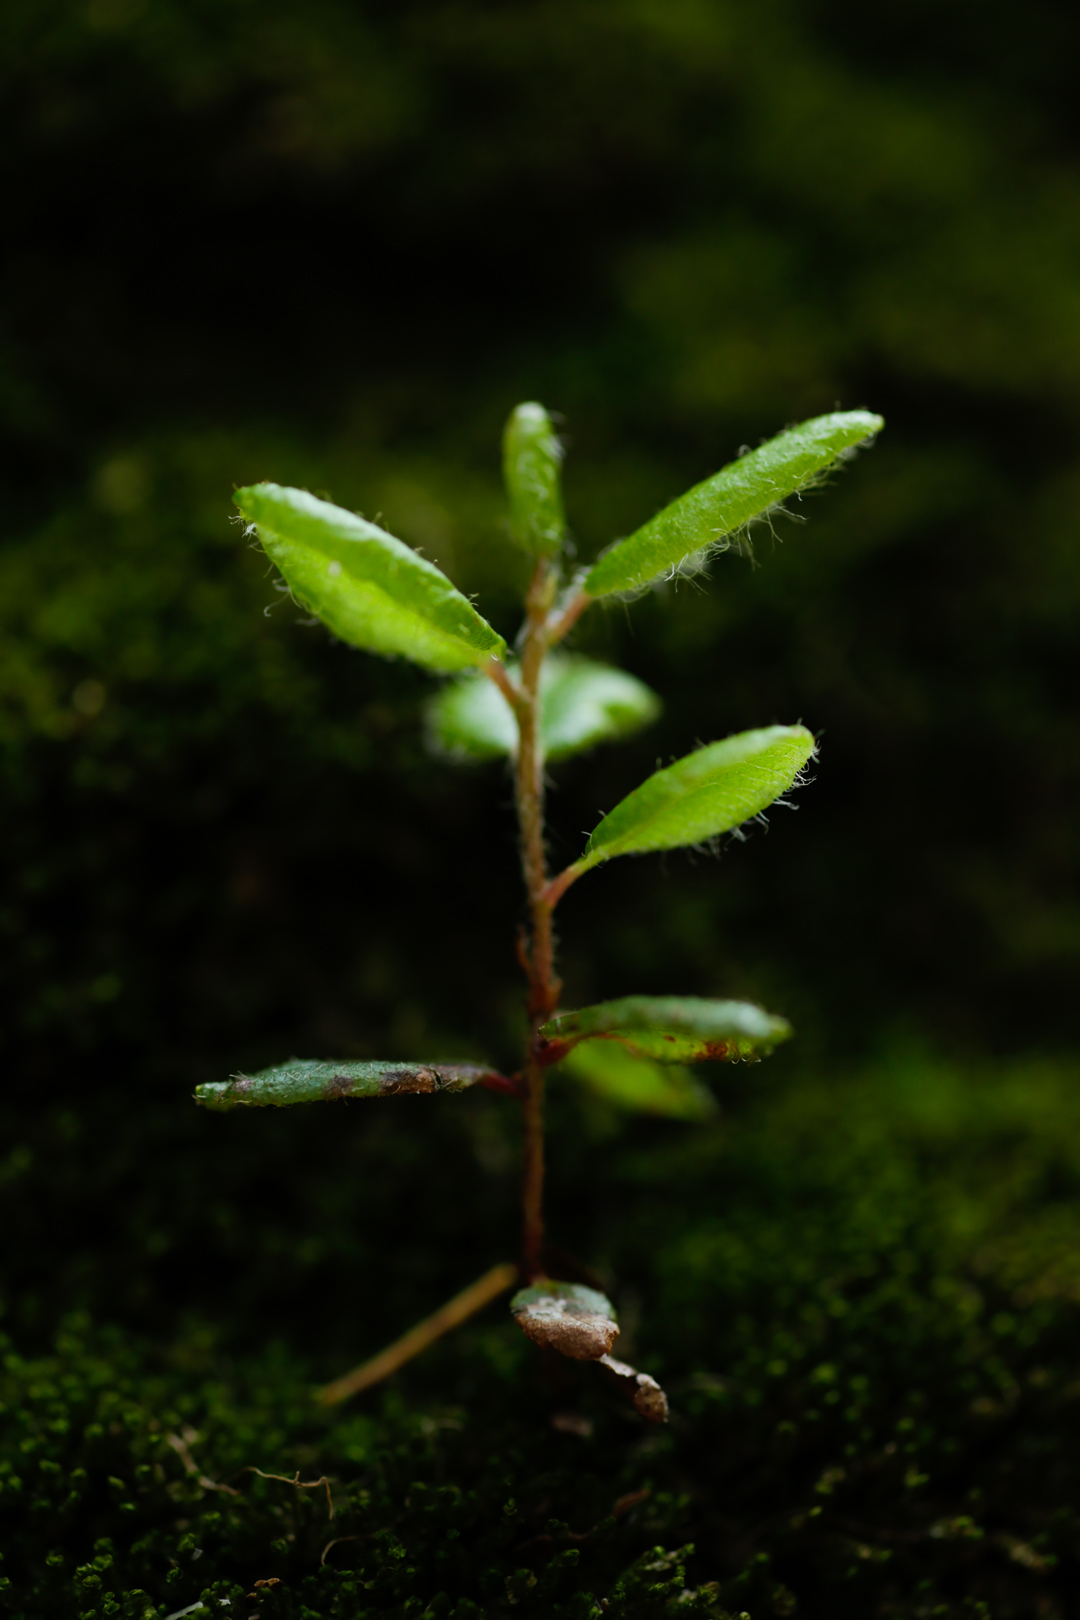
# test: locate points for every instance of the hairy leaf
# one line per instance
(639, 1084)
(578, 1322)
(708, 792)
(311, 1080)
(581, 704)
(531, 460)
(710, 512)
(673, 1029)
(370, 589)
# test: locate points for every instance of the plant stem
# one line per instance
(543, 986)
(559, 885)
(563, 621)
(497, 672)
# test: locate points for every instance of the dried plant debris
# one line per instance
(577, 1322)
(646, 1394)
(311, 1080)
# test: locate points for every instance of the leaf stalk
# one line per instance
(563, 621)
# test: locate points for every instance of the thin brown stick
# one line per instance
(337, 1543)
(301, 1484)
(182, 1448)
(451, 1315)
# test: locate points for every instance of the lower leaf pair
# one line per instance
(649, 1029)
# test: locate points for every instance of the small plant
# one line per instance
(375, 592)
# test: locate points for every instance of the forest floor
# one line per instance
(863, 1298)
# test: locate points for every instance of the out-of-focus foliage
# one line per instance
(640, 1084)
(582, 703)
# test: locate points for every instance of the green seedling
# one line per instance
(543, 705)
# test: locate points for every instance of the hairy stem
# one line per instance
(543, 986)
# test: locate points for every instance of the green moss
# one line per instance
(863, 1301)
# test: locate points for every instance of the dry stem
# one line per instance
(451, 1315)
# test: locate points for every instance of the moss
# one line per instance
(864, 1304)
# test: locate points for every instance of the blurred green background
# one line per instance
(332, 245)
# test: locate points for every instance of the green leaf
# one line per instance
(581, 704)
(370, 589)
(746, 489)
(310, 1080)
(531, 460)
(708, 792)
(469, 719)
(639, 1084)
(578, 1322)
(673, 1029)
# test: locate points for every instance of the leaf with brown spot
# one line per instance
(577, 1322)
(311, 1080)
(670, 1029)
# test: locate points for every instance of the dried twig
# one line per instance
(337, 1542)
(451, 1315)
(191, 1467)
(301, 1484)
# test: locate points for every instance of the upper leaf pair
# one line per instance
(703, 518)
(376, 592)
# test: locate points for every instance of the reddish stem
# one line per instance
(543, 986)
(497, 672)
(559, 885)
(564, 621)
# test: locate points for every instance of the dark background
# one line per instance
(332, 245)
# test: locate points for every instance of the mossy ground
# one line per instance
(863, 1298)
